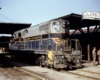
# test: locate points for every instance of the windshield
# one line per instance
(64, 45)
(68, 45)
(75, 45)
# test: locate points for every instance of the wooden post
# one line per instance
(88, 44)
(88, 48)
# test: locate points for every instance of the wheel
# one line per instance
(58, 69)
(40, 64)
(52, 67)
(70, 67)
(38, 61)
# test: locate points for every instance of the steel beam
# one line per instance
(74, 32)
(95, 29)
(81, 30)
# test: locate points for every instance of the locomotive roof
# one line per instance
(10, 28)
(76, 21)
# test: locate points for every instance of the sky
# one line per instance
(37, 11)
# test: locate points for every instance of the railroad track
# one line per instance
(84, 73)
(30, 73)
(89, 71)
(10, 74)
(20, 69)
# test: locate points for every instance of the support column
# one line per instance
(88, 47)
(88, 43)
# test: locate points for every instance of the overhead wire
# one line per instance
(6, 17)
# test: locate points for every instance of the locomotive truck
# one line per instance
(50, 43)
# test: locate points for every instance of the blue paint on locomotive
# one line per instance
(33, 45)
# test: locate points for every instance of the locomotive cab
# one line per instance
(68, 55)
(74, 53)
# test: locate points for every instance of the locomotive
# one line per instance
(50, 43)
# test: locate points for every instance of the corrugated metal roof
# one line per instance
(10, 28)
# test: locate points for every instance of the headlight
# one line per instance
(62, 56)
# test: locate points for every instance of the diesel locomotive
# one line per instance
(50, 43)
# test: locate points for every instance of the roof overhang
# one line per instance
(10, 28)
(76, 21)
(4, 38)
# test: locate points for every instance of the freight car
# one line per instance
(50, 43)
